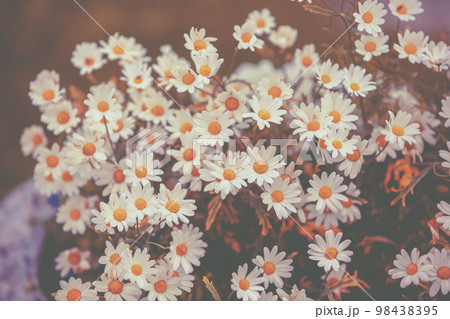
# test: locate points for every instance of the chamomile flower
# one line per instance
(100, 224)
(60, 117)
(112, 259)
(352, 163)
(266, 110)
(185, 155)
(399, 129)
(261, 164)
(102, 104)
(156, 109)
(225, 174)
(405, 10)
(329, 75)
(275, 87)
(427, 125)
(45, 90)
(437, 56)
(370, 45)
(111, 177)
(326, 219)
(72, 259)
(327, 191)
(310, 121)
(330, 252)
(185, 280)
(357, 82)
(50, 161)
(137, 267)
(213, 127)
(141, 200)
(411, 45)
(115, 289)
(186, 248)
(87, 57)
(137, 75)
(338, 143)
(74, 216)
(119, 47)
(86, 152)
(284, 37)
(267, 296)
(173, 206)
(350, 210)
(296, 294)
(246, 285)
(340, 109)
(440, 273)
(116, 212)
(163, 287)
(186, 80)
(32, 140)
(196, 40)
(370, 16)
(410, 268)
(281, 195)
(122, 128)
(263, 19)
(445, 113)
(206, 64)
(234, 102)
(381, 146)
(180, 123)
(306, 58)
(246, 36)
(444, 207)
(69, 185)
(142, 168)
(274, 266)
(75, 290)
(445, 155)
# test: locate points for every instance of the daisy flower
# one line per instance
(305, 58)
(69, 185)
(87, 57)
(173, 207)
(116, 212)
(274, 267)
(141, 201)
(111, 177)
(326, 219)
(45, 90)
(115, 289)
(357, 82)
(329, 75)
(338, 143)
(266, 110)
(352, 163)
(119, 47)
(122, 128)
(326, 191)
(100, 224)
(163, 287)
(45, 184)
(234, 102)
(165, 63)
(445, 155)
(206, 64)
(350, 211)
(85, 153)
(436, 56)
(185, 280)
(156, 109)
(370, 16)
(137, 267)
(180, 123)
(370, 45)
(267, 296)
(275, 87)
(49, 162)
(185, 155)
(296, 294)
(440, 273)
(445, 113)
(142, 168)
(196, 40)
(246, 285)
(284, 37)
(412, 268)
(102, 104)
(32, 140)
(444, 207)
(289, 172)
(225, 174)
(137, 76)
(214, 127)
(309, 121)
(427, 125)
(264, 20)
(112, 259)
(72, 259)
(332, 280)
(246, 36)
(405, 10)
(411, 45)
(281, 195)
(340, 109)
(261, 165)
(186, 248)
(73, 215)
(75, 290)
(60, 117)
(399, 129)
(330, 252)
(186, 80)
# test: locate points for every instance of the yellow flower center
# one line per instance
(443, 273)
(48, 95)
(401, 9)
(199, 45)
(188, 78)
(74, 258)
(354, 156)
(260, 23)
(229, 175)
(188, 155)
(205, 70)
(264, 115)
(140, 203)
(214, 128)
(88, 149)
(411, 269)
(103, 106)
(244, 284)
(89, 61)
(172, 206)
(181, 250)
(325, 78)
(370, 46)
(120, 215)
(157, 110)
(115, 287)
(277, 196)
(260, 167)
(75, 214)
(306, 61)
(115, 259)
(398, 130)
(231, 104)
(246, 37)
(336, 116)
(136, 269)
(367, 17)
(354, 86)
(275, 92)
(331, 253)
(63, 117)
(52, 161)
(160, 286)
(118, 50)
(410, 49)
(185, 127)
(73, 295)
(337, 144)
(325, 192)
(313, 126)
(269, 268)
(140, 172)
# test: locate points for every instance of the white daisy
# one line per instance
(60, 117)
(119, 47)
(142, 168)
(411, 45)
(49, 162)
(87, 57)
(137, 75)
(329, 75)
(296, 294)
(111, 177)
(338, 143)
(281, 195)
(412, 268)
(370, 16)
(284, 37)
(440, 273)
(234, 102)
(185, 280)
(213, 127)
(310, 121)
(137, 267)
(275, 87)
(112, 259)
(180, 123)
(330, 252)
(370, 45)
(305, 59)
(45, 89)
(266, 110)
(405, 10)
(445, 155)
(380, 145)
(246, 36)
(32, 140)
(445, 113)
(261, 164)
(173, 207)
(274, 267)
(427, 125)
(340, 108)
(352, 163)
(186, 80)
(115, 289)
(399, 129)
(444, 207)
(163, 287)
(357, 82)
(102, 104)
(75, 290)
(100, 224)
(264, 20)
(116, 212)
(326, 191)
(206, 64)
(69, 185)
(73, 215)
(72, 259)
(350, 211)
(246, 285)
(437, 56)
(197, 41)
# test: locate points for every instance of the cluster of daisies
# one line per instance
(128, 194)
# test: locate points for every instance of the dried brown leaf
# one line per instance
(210, 286)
